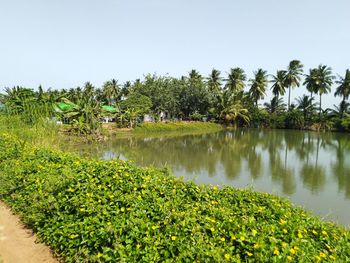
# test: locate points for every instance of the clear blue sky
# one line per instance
(64, 43)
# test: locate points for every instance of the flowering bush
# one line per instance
(113, 211)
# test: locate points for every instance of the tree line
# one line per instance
(232, 99)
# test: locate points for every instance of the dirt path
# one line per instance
(17, 244)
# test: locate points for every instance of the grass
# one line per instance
(183, 126)
(44, 132)
(113, 211)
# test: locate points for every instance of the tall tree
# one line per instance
(111, 91)
(214, 81)
(258, 85)
(343, 89)
(320, 81)
(293, 76)
(279, 83)
(310, 81)
(235, 81)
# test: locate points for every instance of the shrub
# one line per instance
(113, 211)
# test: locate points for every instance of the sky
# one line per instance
(64, 43)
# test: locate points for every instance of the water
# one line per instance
(311, 169)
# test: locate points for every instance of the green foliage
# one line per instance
(294, 119)
(196, 116)
(112, 211)
(345, 123)
(29, 105)
(176, 126)
(134, 107)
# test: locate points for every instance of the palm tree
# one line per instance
(305, 103)
(279, 83)
(195, 78)
(293, 76)
(111, 90)
(320, 81)
(343, 108)
(214, 81)
(233, 111)
(324, 81)
(258, 85)
(235, 81)
(276, 105)
(344, 86)
(310, 81)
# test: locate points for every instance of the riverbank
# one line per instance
(115, 211)
(183, 126)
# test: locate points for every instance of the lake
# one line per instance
(311, 169)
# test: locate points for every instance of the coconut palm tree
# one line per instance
(195, 78)
(279, 83)
(233, 111)
(306, 105)
(235, 82)
(214, 82)
(111, 90)
(310, 81)
(293, 76)
(343, 108)
(276, 105)
(320, 81)
(324, 81)
(258, 85)
(344, 86)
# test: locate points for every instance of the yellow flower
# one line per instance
(227, 256)
(324, 233)
(173, 238)
(292, 251)
(242, 238)
(222, 239)
(249, 254)
(233, 237)
(256, 245)
(282, 222)
(289, 258)
(300, 235)
(254, 232)
(322, 255)
(122, 209)
(276, 252)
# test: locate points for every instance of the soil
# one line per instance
(17, 243)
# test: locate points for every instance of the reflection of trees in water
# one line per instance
(341, 168)
(286, 152)
(313, 177)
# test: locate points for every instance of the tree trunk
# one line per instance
(320, 105)
(288, 97)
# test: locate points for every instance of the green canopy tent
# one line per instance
(59, 107)
(109, 108)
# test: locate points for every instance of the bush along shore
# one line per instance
(113, 211)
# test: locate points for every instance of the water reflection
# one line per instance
(294, 163)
